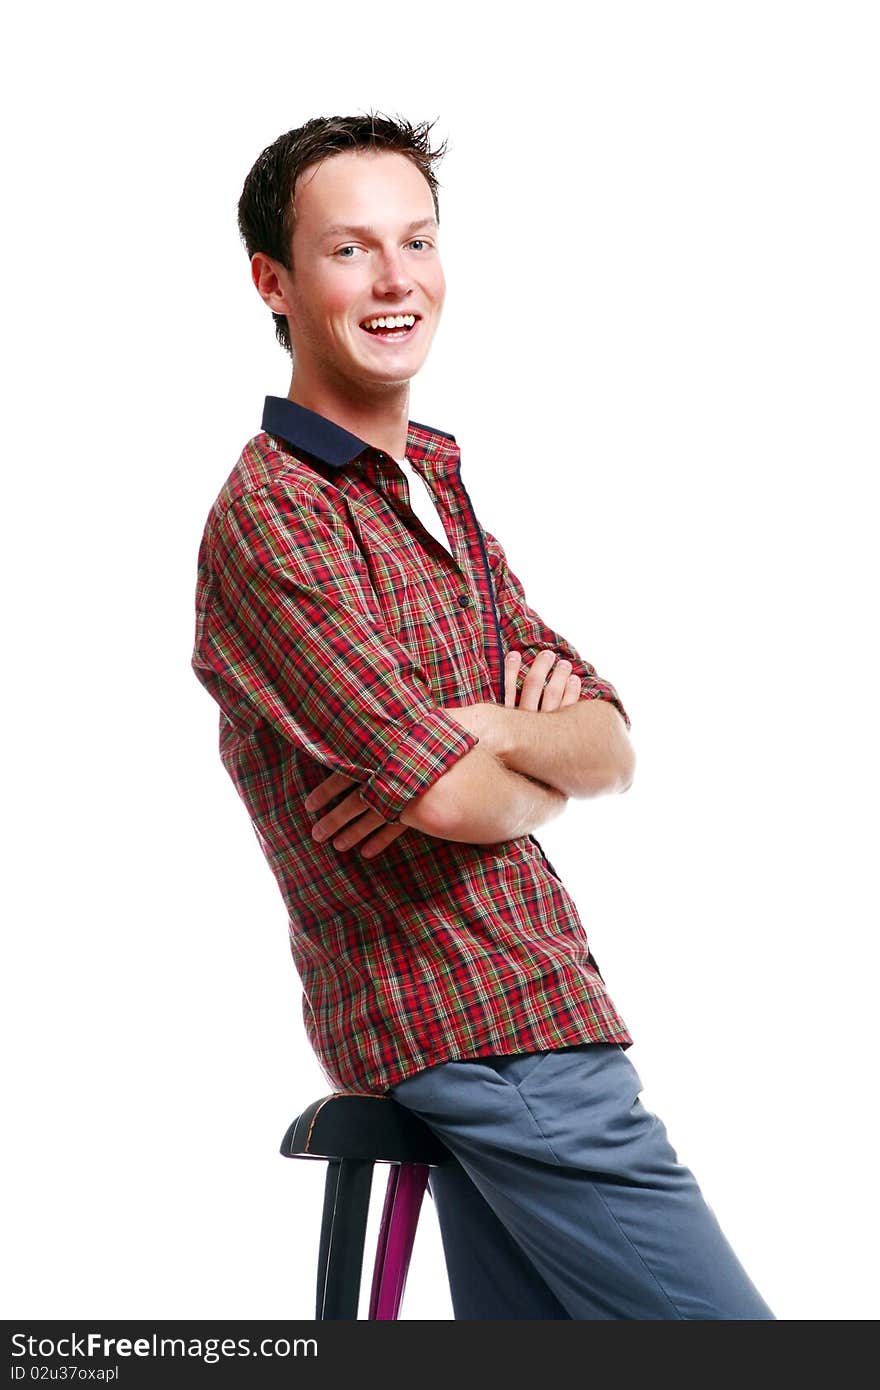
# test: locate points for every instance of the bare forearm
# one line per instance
(582, 749)
(483, 802)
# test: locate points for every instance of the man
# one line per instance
(398, 721)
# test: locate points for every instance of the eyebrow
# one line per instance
(369, 231)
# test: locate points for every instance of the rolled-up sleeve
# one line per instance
(290, 635)
(523, 630)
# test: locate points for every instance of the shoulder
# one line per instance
(267, 475)
(264, 463)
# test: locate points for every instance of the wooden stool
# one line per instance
(351, 1131)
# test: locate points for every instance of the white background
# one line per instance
(659, 355)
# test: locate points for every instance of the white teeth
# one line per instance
(392, 321)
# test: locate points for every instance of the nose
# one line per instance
(392, 277)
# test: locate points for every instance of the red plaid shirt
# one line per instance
(330, 627)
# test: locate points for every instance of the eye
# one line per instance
(347, 248)
(419, 241)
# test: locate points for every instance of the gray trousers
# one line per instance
(565, 1198)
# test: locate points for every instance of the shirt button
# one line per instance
(464, 600)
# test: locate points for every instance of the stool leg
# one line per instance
(400, 1217)
(382, 1243)
(343, 1231)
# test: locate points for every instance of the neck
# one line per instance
(379, 419)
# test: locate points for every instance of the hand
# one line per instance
(353, 813)
(562, 688)
(360, 820)
(489, 721)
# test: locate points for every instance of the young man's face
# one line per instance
(364, 247)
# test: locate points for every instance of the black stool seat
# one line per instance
(371, 1127)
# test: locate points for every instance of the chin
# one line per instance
(392, 383)
(394, 372)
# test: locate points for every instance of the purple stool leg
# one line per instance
(400, 1216)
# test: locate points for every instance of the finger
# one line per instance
(358, 829)
(535, 678)
(554, 690)
(512, 663)
(348, 810)
(536, 675)
(381, 840)
(572, 691)
(325, 791)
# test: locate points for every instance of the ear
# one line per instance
(267, 276)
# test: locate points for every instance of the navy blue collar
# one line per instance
(310, 433)
(313, 433)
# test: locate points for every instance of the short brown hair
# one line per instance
(265, 209)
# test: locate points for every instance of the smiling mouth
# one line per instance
(391, 327)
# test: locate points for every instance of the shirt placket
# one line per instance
(454, 503)
(441, 472)
(467, 557)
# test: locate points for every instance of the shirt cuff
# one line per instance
(430, 747)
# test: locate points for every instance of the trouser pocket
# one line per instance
(517, 1067)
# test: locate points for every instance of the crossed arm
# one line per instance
(288, 633)
(519, 776)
